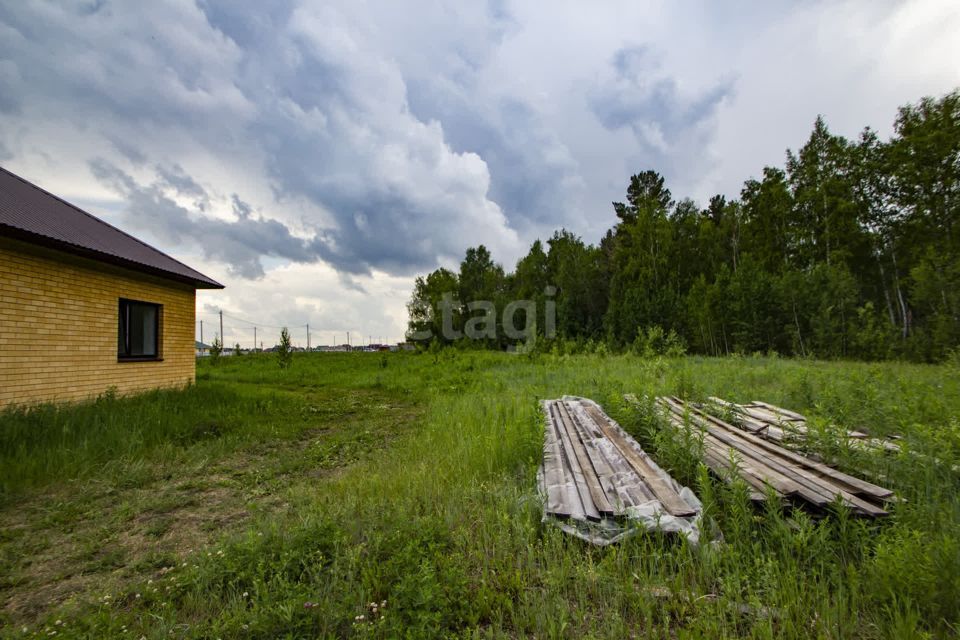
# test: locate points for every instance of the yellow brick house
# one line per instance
(85, 307)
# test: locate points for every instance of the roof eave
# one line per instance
(20, 234)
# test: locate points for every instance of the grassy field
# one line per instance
(262, 503)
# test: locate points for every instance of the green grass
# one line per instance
(280, 504)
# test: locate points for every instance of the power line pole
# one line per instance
(201, 338)
(221, 327)
(254, 339)
(308, 336)
(348, 338)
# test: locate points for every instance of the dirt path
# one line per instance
(86, 538)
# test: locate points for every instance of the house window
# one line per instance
(138, 336)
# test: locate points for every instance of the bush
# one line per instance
(655, 342)
(216, 348)
(284, 350)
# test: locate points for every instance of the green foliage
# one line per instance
(351, 499)
(425, 308)
(216, 349)
(654, 342)
(236, 349)
(284, 349)
(852, 250)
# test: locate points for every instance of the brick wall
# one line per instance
(58, 327)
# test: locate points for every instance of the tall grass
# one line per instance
(445, 524)
(48, 442)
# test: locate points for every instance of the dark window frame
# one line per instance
(123, 331)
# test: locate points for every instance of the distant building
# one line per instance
(85, 307)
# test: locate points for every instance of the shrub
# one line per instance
(655, 342)
(216, 348)
(284, 349)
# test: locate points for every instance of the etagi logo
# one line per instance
(484, 326)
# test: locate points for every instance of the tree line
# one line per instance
(848, 251)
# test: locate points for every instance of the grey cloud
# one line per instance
(534, 176)
(348, 282)
(639, 96)
(126, 149)
(240, 244)
(303, 89)
(9, 82)
(176, 178)
(149, 65)
(672, 130)
(240, 208)
(399, 196)
(245, 27)
(396, 134)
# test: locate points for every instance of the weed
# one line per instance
(258, 503)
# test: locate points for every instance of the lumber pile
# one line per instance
(599, 484)
(765, 465)
(784, 426)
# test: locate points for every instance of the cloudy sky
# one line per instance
(316, 156)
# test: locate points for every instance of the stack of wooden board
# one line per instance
(764, 465)
(782, 425)
(594, 473)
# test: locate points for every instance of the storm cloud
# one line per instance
(240, 243)
(374, 141)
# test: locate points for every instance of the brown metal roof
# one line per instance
(32, 214)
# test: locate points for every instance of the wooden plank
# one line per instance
(721, 466)
(763, 415)
(855, 484)
(632, 484)
(554, 476)
(746, 421)
(798, 422)
(668, 497)
(602, 466)
(814, 487)
(792, 415)
(810, 490)
(629, 487)
(724, 403)
(585, 509)
(588, 472)
(749, 466)
(858, 485)
(590, 511)
(570, 502)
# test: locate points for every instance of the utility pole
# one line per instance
(308, 336)
(254, 339)
(221, 327)
(348, 338)
(201, 338)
